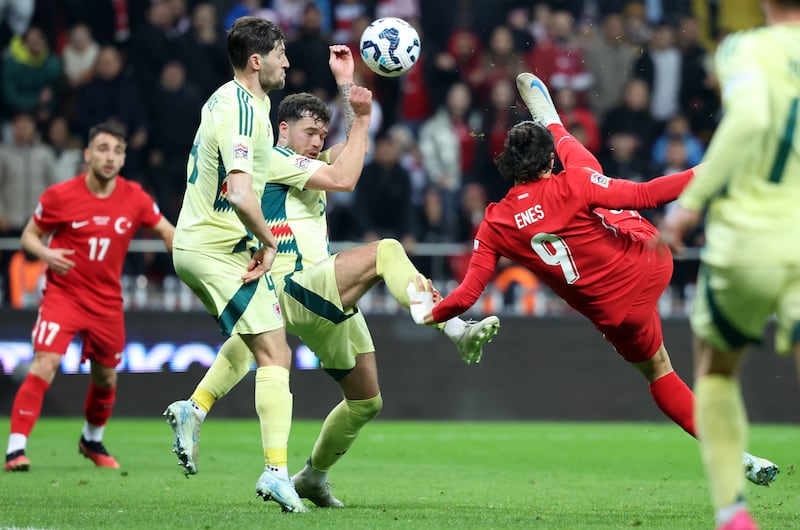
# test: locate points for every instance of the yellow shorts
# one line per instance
(312, 310)
(734, 304)
(238, 307)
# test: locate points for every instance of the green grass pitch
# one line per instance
(398, 475)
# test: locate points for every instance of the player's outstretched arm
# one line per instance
(344, 173)
(342, 66)
(166, 231)
(32, 241)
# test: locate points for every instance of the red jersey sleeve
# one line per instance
(479, 273)
(618, 194)
(47, 215)
(149, 213)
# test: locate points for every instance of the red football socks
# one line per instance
(28, 404)
(99, 404)
(675, 399)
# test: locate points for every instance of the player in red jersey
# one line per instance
(90, 221)
(579, 233)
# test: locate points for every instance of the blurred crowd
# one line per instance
(632, 80)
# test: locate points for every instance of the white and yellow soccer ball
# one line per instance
(390, 46)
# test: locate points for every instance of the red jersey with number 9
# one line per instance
(559, 228)
(100, 231)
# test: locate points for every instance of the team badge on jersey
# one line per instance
(240, 151)
(302, 163)
(600, 180)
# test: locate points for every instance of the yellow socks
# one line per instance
(341, 428)
(231, 365)
(722, 430)
(392, 264)
(274, 408)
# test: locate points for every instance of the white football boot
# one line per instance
(537, 98)
(759, 470)
(271, 487)
(183, 419)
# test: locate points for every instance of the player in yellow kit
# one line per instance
(750, 270)
(319, 292)
(223, 247)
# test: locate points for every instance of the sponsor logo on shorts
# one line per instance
(475, 244)
(302, 163)
(240, 151)
(600, 180)
(277, 308)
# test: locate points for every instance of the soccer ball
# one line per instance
(390, 46)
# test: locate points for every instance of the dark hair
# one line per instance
(528, 153)
(112, 127)
(250, 35)
(303, 105)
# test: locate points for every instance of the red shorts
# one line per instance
(639, 335)
(60, 318)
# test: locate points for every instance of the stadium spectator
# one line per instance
(519, 23)
(27, 167)
(414, 98)
(202, 50)
(112, 93)
(152, 44)
(660, 67)
(624, 159)
(79, 55)
(677, 128)
(572, 112)
(382, 208)
(609, 58)
(174, 119)
(31, 76)
(499, 60)
(699, 100)
(67, 149)
(559, 59)
(502, 112)
(224, 248)
(631, 116)
(600, 261)
(89, 221)
(434, 224)
(750, 267)
(345, 12)
(456, 61)
(309, 53)
(472, 208)
(448, 144)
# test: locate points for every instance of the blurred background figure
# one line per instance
(173, 121)
(67, 148)
(382, 206)
(112, 93)
(609, 58)
(27, 167)
(448, 142)
(79, 55)
(203, 50)
(30, 76)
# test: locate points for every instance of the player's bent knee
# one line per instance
(366, 409)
